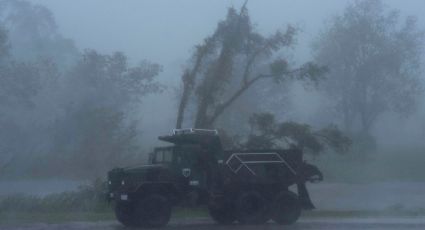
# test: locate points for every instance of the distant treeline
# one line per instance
(66, 112)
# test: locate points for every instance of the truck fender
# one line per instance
(166, 189)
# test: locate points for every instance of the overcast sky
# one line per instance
(165, 31)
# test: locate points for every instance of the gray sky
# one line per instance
(165, 31)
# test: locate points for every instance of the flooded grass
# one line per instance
(335, 214)
(13, 218)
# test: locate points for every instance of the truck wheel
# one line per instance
(251, 208)
(153, 211)
(221, 213)
(124, 212)
(287, 208)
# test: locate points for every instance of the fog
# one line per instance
(165, 32)
(86, 86)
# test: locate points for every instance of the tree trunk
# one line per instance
(219, 72)
(182, 105)
(188, 80)
(201, 121)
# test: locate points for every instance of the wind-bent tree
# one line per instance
(375, 61)
(266, 132)
(235, 52)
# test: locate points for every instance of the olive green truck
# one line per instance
(247, 186)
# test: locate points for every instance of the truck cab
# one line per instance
(186, 162)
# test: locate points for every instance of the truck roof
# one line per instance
(193, 136)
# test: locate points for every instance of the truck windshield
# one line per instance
(163, 156)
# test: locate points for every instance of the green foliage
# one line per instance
(302, 134)
(375, 61)
(19, 83)
(110, 81)
(312, 72)
(73, 121)
(267, 133)
(363, 142)
(259, 142)
(95, 132)
(278, 68)
(263, 122)
(34, 34)
(4, 46)
(230, 61)
(92, 140)
(334, 138)
(88, 198)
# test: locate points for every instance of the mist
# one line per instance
(142, 30)
(87, 86)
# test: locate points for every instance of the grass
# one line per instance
(24, 217)
(88, 198)
(363, 214)
(13, 218)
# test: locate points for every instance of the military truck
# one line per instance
(247, 186)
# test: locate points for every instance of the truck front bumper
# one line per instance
(116, 196)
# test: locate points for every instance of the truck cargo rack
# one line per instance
(195, 131)
(238, 161)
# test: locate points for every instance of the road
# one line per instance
(204, 224)
(326, 196)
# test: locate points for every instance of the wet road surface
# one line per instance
(317, 224)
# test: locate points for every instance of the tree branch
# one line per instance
(220, 109)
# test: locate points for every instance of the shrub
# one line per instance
(88, 198)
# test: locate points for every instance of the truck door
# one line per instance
(190, 167)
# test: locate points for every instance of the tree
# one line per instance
(17, 80)
(108, 80)
(267, 133)
(4, 46)
(92, 139)
(34, 35)
(95, 131)
(375, 63)
(235, 52)
(19, 83)
(60, 106)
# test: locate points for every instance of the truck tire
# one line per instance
(153, 211)
(286, 208)
(251, 208)
(221, 213)
(125, 214)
